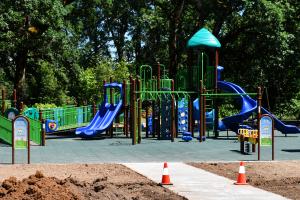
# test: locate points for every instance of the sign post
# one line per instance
(20, 136)
(266, 133)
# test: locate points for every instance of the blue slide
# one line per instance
(104, 116)
(249, 106)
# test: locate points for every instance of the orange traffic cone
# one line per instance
(241, 179)
(165, 180)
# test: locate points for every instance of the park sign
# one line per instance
(266, 130)
(20, 133)
(20, 136)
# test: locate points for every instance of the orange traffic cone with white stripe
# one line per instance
(241, 179)
(165, 180)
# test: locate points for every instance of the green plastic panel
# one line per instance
(6, 130)
(35, 131)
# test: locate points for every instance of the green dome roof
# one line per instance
(203, 38)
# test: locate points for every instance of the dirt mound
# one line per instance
(37, 187)
(40, 187)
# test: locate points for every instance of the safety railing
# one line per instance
(69, 117)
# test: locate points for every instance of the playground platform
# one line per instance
(194, 183)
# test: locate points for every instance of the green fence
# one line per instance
(5, 130)
(69, 117)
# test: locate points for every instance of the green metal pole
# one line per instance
(204, 114)
(139, 110)
(190, 116)
(158, 102)
(139, 120)
(133, 113)
(201, 110)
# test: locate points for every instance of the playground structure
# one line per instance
(173, 105)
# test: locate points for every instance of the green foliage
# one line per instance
(227, 110)
(56, 53)
(44, 106)
(295, 106)
(90, 80)
(291, 110)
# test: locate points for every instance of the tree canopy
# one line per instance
(60, 51)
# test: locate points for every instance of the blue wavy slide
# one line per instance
(104, 116)
(249, 106)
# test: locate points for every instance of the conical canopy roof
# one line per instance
(203, 38)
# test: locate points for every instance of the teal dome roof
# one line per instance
(203, 38)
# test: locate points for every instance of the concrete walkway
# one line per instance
(194, 183)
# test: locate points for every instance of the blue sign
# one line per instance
(51, 125)
(266, 130)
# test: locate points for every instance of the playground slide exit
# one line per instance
(249, 106)
(104, 116)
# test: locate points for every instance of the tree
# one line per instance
(30, 30)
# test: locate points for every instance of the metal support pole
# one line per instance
(139, 102)
(176, 118)
(125, 130)
(111, 129)
(104, 95)
(153, 119)
(129, 108)
(216, 120)
(201, 110)
(173, 129)
(139, 120)
(273, 144)
(147, 124)
(158, 76)
(259, 98)
(190, 116)
(133, 113)
(204, 113)
(158, 102)
(43, 133)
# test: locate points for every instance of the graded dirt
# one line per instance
(282, 177)
(78, 181)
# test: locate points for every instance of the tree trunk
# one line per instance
(21, 64)
(173, 24)
(137, 47)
